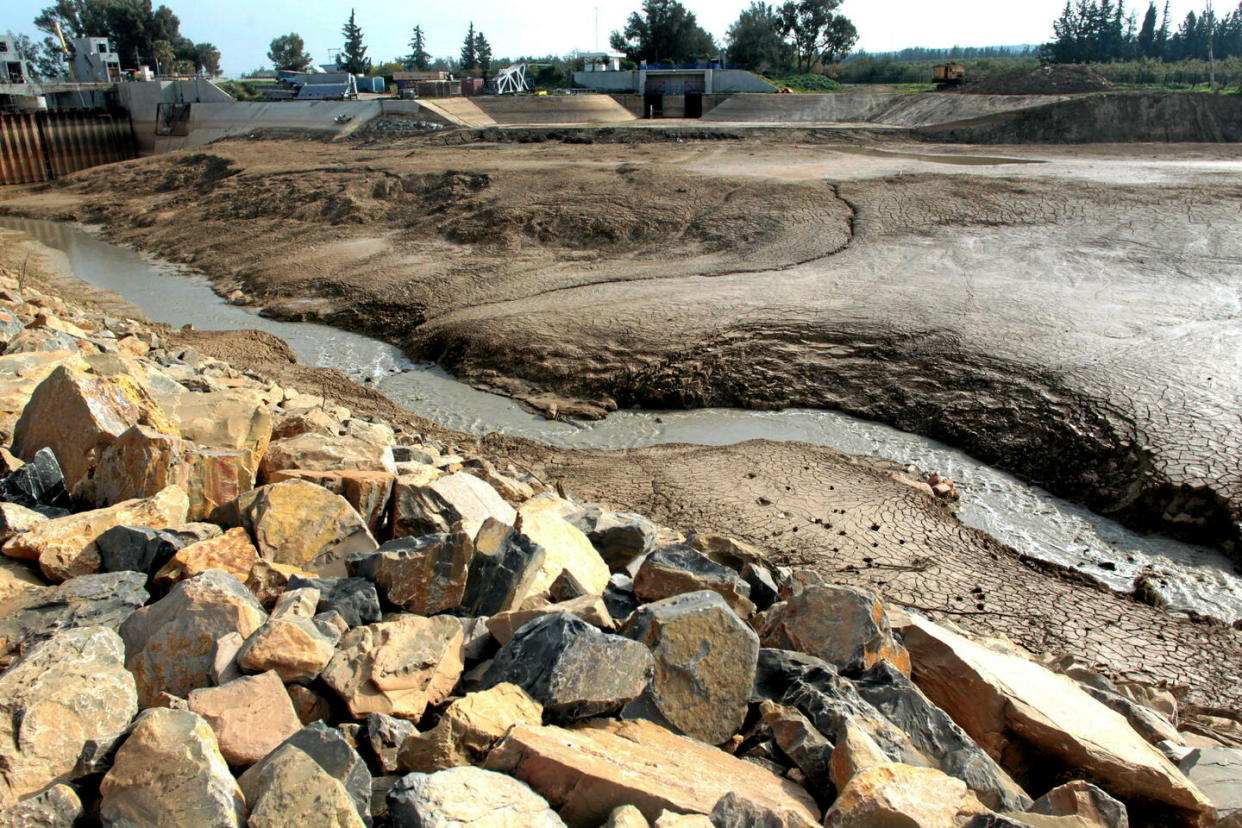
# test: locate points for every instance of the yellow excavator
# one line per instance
(948, 75)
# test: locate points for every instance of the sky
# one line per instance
(242, 29)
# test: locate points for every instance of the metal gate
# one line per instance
(41, 146)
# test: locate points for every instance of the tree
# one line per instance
(1147, 34)
(419, 59)
(665, 31)
(133, 28)
(208, 59)
(353, 58)
(470, 51)
(817, 33)
(289, 52)
(483, 54)
(756, 40)
(164, 56)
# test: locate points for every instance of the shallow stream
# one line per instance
(1023, 516)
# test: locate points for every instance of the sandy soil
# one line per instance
(1074, 321)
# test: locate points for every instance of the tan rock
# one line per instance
(310, 706)
(1022, 713)
(170, 772)
(291, 643)
(65, 547)
(420, 509)
(568, 549)
(731, 552)
(251, 716)
(590, 608)
(468, 798)
(61, 693)
(77, 415)
(216, 476)
(369, 492)
(300, 524)
(306, 421)
(845, 626)
(398, 667)
(292, 789)
(56, 807)
(626, 816)
(233, 419)
(588, 770)
(17, 579)
(668, 819)
(468, 729)
(1084, 801)
(425, 575)
(320, 452)
(138, 464)
(132, 346)
(267, 580)
(232, 552)
(854, 751)
(895, 794)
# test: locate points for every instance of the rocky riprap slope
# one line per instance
(228, 602)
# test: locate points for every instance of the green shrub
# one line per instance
(808, 83)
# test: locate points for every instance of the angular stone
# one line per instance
(896, 794)
(465, 797)
(268, 580)
(14, 520)
(705, 659)
(588, 770)
(311, 706)
(170, 643)
(569, 553)
(77, 415)
(1013, 707)
(503, 571)
(763, 590)
(233, 419)
(468, 729)
(1218, 773)
(1148, 723)
(17, 578)
(626, 816)
(57, 807)
(939, 738)
(590, 608)
(674, 570)
(734, 811)
(845, 626)
(63, 693)
(39, 482)
(321, 452)
(730, 552)
(290, 788)
(137, 548)
(385, 735)
(231, 552)
(306, 421)
(65, 547)
(1086, 801)
(798, 739)
(215, 476)
(104, 600)
(170, 772)
(421, 508)
(224, 667)
(425, 575)
(251, 716)
(369, 492)
(397, 667)
(855, 751)
(139, 463)
(619, 537)
(292, 642)
(300, 524)
(668, 819)
(557, 658)
(328, 748)
(354, 598)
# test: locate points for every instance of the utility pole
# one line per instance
(1211, 53)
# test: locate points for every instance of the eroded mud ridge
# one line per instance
(1073, 321)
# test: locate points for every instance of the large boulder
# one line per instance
(250, 715)
(1085, 801)
(570, 554)
(297, 523)
(328, 453)
(38, 483)
(103, 600)
(1218, 773)
(231, 552)
(674, 570)
(337, 761)
(56, 807)
(557, 660)
(705, 658)
(139, 548)
(425, 575)
(65, 547)
(397, 667)
(77, 415)
(1019, 710)
(370, 492)
(894, 794)
(170, 643)
(216, 476)
(503, 572)
(170, 772)
(845, 626)
(65, 692)
(468, 729)
(293, 642)
(139, 463)
(467, 798)
(420, 508)
(619, 537)
(588, 770)
(236, 419)
(292, 789)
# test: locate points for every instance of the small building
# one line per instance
(601, 61)
(12, 68)
(94, 61)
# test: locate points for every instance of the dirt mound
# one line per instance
(1058, 79)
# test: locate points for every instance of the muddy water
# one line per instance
(1024, 516)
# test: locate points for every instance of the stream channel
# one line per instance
(1024, 516)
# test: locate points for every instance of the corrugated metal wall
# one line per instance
(41, 146)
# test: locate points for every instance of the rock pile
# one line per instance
(226, 603)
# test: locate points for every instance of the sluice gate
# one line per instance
(45, 145)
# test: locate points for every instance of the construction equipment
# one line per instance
(948, 75)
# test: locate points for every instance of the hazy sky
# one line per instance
(242, 29)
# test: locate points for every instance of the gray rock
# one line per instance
(38, 484)
(798, 739)
(763, 589)
(290, 788)
(939, 738)
(386, 734)
(354, 598)
(619, 537)
(1084, 800)
(571, 668)
(105, 600)
(57, 807)
(619, 597)
(424, 575)
(333, 753)
(1218, 773)
(846, 626)
(675, 570)
(10, 327)
(705, 659)
(138, 548)
(464, 797)
(736, 811)
(1146, 722)
(500, 577)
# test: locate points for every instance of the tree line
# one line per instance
(1104, 31)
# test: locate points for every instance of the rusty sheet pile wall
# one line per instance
(41, 146)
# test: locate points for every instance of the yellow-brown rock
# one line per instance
(216, 476)
(369, 492)
(15, 520)
(421, 508)
(251, 716)
(894, 794)
(138, 464)
(17, 579)
(234, 419)
(569, 550)
(65, 547)
(468, 729)
(319, 452)
(232, 552)
(292, 642)
(267, 580)
(590, 608)
(588, 770)
(853, 752)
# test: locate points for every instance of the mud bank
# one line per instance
(1070, 321)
